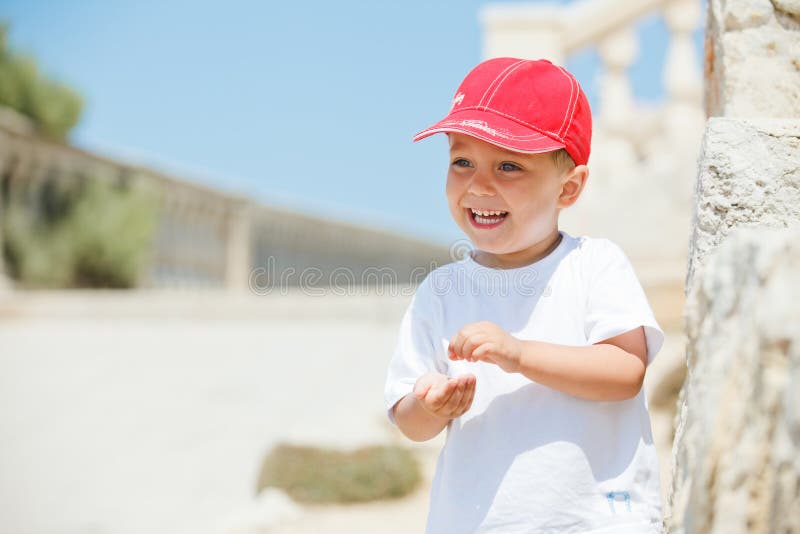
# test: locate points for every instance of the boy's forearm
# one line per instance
(415, 422)
(601, 372)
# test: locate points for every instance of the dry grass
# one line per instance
(316, 475)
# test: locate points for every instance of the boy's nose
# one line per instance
(480, 185)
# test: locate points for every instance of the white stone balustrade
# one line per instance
(212, 239)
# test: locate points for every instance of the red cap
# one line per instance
(521, 105)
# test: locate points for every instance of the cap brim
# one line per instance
(495, 129)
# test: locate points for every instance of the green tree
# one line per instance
(53, 107)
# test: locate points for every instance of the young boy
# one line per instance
(532, 350)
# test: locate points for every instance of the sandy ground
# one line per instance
(152, 413)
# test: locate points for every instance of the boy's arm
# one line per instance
(435, 400)
(612, 369)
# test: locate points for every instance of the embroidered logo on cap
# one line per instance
(457, 100)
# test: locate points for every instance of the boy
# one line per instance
(532, 350)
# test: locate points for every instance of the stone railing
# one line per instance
(643, 157)
(313, 252)
(193, 237)
(209, 238)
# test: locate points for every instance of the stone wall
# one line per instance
(748, 176)
(737, 458)
(753, 50)
(736, 455)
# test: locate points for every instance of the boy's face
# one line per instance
(527, 189)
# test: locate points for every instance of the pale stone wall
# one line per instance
(749, 175)
(737, 456)
(753, 58)
(737, 443)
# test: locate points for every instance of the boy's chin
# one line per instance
(490, 247)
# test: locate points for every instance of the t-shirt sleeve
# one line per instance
(616, 302)
(417, 348)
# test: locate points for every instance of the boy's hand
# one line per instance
(485, 341)
(444, 396)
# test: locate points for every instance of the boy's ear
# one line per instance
(572, 184)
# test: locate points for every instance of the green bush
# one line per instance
(35, 256)
(95, 235)
(315, 475)
(53, 107)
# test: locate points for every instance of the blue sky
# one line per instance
(309, 105)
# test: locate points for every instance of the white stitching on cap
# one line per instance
(569, 102)
(515, 119)
(483, 125)
(518, 65)
(488, 140)
(575, 104)
(497, 78)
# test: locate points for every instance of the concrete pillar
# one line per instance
(237, 243)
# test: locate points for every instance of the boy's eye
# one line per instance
(509, 167)
(461, 162)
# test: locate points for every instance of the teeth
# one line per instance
(486, 213)
(487, 216)
(486, 220)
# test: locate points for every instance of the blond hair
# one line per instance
(562, 160)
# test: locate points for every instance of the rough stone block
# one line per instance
(789, 6)
(752, 59)
(749, 175)
(736, 456)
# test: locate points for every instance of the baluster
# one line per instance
(193, 250)
(181, 263)
(683, 115)
(618, 52)
(170, 238)
(238, 262)
(681, 75)
(220, 239)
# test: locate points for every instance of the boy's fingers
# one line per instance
(469, 394)
(462, 404)
(481, 351)
(457, 341)
(423, 385)
(439, 396)
(470, 344)
(452, 347)
(468, 380)
(420, 390)
(464, 342)
(455, 400)
(490, 354)
(468, 387)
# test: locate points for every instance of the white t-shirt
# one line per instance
(525, 457)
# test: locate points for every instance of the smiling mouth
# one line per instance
(486, 218)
